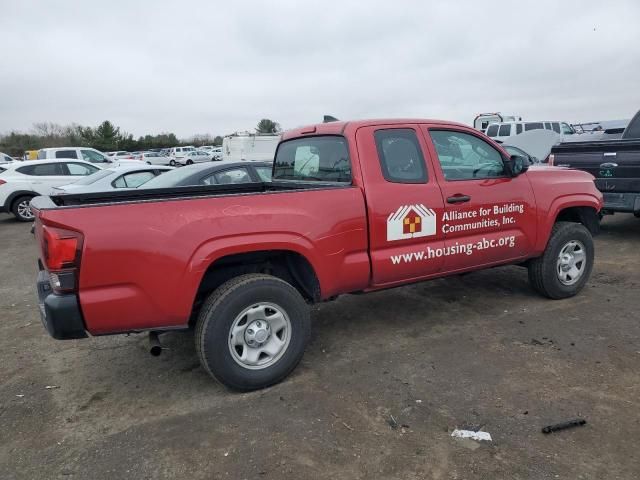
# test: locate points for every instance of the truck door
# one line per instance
(403, 202)
(489, 217)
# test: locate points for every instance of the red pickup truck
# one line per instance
(352, 207)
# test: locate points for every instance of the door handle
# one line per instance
(458, 199)
(609, 154)
(608, 165)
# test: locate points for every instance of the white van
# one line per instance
(249, 146)
(500, 131)
(179, 152)
(82, 153)
(483, 120)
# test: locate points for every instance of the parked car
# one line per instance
(178, 152)
(195, 156)
(219, 173)
(83, 153)
(500, 131)
(4, 158)
(21, 181)
(120, 155)
(242, 263)
(615, 164)
(153, 158)
(112, 178)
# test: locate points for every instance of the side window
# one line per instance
(80, 169)
(133, 179)
(505, 130)
(264, 173)
(492, 131)
(44, 169)
(400, 156)
(234, 175)
(547, 126)
(533, 126)
(91, 156)
(566, 129)
(66, 154)
(466, 157)
(556, 127)
(518, 128)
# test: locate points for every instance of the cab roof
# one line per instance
(340, 127)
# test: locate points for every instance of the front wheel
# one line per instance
(252, 331)
(565, 266)
(172, 163)
(189, 162)
(21, 209)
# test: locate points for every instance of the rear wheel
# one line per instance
(172, 163)
(565, 266)
(252, 331)
(189, 162)
(21, 208)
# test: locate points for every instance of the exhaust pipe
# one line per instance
(155, 348)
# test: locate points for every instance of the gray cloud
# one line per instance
(216, 67)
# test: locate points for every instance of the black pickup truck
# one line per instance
(614, 163)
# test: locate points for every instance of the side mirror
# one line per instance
(517, 165)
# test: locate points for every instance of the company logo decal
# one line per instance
(411, 221)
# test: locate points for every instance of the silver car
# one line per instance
(112, 179)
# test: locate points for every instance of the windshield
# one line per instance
(94, 177)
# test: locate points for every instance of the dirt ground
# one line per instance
(482, 350)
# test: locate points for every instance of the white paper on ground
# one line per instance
(472, 435)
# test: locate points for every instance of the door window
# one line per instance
(93, 157)
(466, 157)
(505, 130)
(555, 126)
(80, 169)
(66, 154)
(400, 156)
(492, 131)
(566, 129)
(518, 128)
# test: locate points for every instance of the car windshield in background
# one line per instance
(94, 177)
(322, 158)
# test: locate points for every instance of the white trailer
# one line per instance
(249, 146)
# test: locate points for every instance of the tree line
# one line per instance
(105, 137)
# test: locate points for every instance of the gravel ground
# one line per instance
(478, 351)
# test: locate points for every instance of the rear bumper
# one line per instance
(60, 314)
(622, 202)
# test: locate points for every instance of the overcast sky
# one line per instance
(217, 67)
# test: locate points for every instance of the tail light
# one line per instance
(61, 251)
(2, 182)
(551, 159)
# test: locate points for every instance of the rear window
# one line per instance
(533, 126)
(321, 158)
(492, 131)
(505, 130)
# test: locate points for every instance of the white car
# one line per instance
(21, 181)
(112, 179)
(154, 158)
(178, 152)
(4, 158)
(197, 156)
(84, 153)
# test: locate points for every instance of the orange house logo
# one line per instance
(411, 221)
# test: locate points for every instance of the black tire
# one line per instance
(17, 208)
(543, 271)
(172, 163)
(189, 162)
(218, 315)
